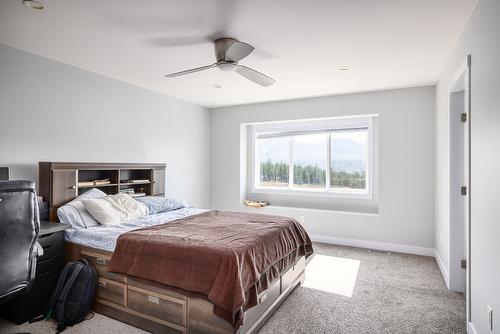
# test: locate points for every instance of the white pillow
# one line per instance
(74, 212)
(129, 207)
(113, 209)
(103, 211)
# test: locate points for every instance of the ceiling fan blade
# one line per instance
(197, 69)
(238, 50)
(254, 76)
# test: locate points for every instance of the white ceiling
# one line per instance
(300, 43)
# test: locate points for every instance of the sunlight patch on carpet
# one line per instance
(332, 274)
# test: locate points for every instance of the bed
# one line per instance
(135, 293)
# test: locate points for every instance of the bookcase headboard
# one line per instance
(61, 182)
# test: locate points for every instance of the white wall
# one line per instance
(480, 39)
(55, 112)
(406, 165)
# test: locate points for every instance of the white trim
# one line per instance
(330, 124)
(399, 248)
(312, 192)
(470, 328)
(460, 80)
(442, 267)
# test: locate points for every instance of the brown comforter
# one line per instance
(228, 257)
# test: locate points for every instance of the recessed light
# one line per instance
(343, 68)
(217, 86)
(33, 4)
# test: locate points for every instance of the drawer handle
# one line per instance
(153, 299)
(102, 284)
(72, 187)
(262, 298)
(101, 261)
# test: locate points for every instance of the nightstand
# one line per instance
(31, 304)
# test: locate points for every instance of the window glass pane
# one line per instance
(309, 160)
(274, 161)
(349, 155)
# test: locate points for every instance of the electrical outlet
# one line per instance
(301, 219)
(490, 316)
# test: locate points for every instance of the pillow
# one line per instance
(103, 211)
(126, 205)
(113, 209)
(157, 204)
(74, 212)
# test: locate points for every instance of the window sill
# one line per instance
(280, 208)
(330, 203)
(312, 193)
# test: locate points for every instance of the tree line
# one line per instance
(278, 172)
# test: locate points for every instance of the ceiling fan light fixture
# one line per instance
(227, 66)
(33, 4)
(343, 68)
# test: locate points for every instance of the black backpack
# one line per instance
(73, 296)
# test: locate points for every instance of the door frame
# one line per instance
(463, 74)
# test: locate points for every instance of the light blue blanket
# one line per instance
(102, 237)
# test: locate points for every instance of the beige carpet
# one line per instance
(347, 290)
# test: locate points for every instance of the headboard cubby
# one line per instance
(61, 182)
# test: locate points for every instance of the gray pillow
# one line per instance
(157, 204)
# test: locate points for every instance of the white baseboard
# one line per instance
(373, 245)
(442, 267)
(470, 328)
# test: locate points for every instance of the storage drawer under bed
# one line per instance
(292, 273)
(101, 263)
(111, 291)
(265, 300)
(157, 305)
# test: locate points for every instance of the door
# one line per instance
(158, 181)
(64, 186)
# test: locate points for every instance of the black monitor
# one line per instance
(4, 173)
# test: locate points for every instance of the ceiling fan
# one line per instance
(228, 52)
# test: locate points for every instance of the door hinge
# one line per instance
(463, 264)
(463, 190)
(463, 117)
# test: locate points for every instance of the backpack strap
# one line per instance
(60, 305)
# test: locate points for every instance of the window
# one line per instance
(326, 157)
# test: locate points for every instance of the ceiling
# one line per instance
(300, 43)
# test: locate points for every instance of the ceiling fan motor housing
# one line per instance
(221, 46)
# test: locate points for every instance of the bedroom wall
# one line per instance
(55, 112)
(405, 219)
(480, 39)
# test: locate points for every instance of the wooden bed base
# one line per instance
(157, 308)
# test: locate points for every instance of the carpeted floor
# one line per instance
(347, 290)
(393, 293)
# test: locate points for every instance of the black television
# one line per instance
(4, 173)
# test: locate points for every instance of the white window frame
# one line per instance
(338, 123)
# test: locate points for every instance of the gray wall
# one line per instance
(406, 164)
(55, 112)
(481, 39)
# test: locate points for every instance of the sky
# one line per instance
(348, 149)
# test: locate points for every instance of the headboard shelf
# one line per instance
(61, 182)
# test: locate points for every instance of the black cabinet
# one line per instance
(49, 265)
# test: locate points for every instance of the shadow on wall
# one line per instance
(23, 172)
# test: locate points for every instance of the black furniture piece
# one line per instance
(49, 266)
(19, 228)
